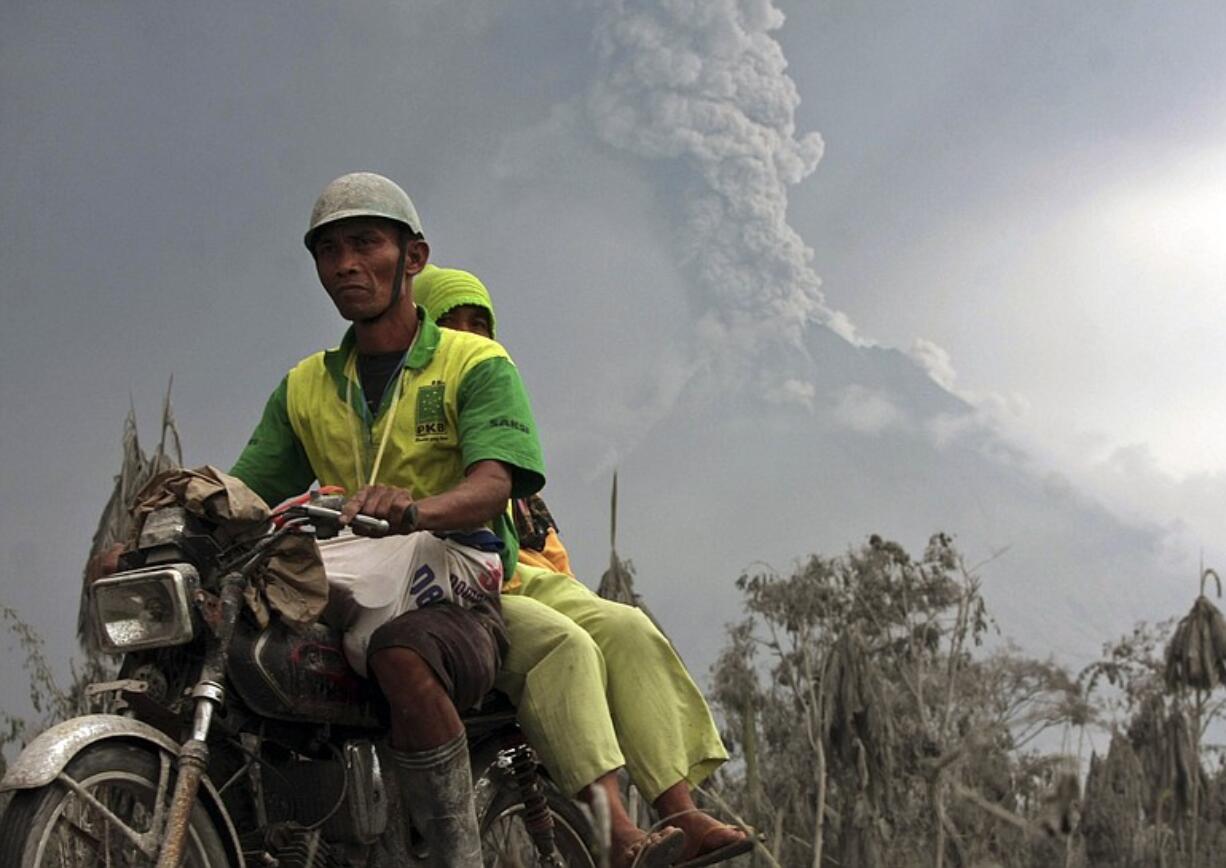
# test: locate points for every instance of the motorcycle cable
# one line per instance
(254, 759)
(246, 561)
(340, 758)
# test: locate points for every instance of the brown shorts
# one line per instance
(464, 647)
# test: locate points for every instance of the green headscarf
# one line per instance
(439, 290)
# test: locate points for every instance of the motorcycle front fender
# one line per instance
(47, 755)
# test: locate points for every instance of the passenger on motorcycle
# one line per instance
(432, 431)
(662, 729)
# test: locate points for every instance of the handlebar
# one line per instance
(244, 557)
(365, 524)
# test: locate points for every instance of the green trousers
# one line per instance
(598, 687)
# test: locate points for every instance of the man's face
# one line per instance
(356, 263)
(468, 318)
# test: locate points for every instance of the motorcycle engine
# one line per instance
(345, 797)
(288, 846)
(300, 848)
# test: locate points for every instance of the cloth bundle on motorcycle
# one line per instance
(292, 583)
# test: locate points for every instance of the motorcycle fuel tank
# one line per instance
(300, 676)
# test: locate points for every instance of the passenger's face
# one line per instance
(468, 318)
(356, 263)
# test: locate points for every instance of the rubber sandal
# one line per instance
(658, 849)
(721, 854)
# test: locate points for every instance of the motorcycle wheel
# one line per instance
(505, 841)
(51, 827)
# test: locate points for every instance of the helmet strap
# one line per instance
(398, 279)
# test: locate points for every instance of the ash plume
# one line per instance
(703, 81)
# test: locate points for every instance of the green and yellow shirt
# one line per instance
(459, 400)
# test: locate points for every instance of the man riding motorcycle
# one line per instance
(432, 432)
(330, 420)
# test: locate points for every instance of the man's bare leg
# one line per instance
(422, 714)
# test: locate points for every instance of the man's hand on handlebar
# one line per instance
(395, 505)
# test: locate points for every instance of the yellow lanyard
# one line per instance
(350, 370)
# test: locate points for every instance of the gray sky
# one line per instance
(1049, 170)
(1034, 192)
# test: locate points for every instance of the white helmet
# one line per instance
(362, 194)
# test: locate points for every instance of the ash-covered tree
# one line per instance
(50, 702)
(864, 719)
(1150, 801)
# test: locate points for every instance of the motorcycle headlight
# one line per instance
(146, 608)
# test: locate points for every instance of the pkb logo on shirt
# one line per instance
(431, 418)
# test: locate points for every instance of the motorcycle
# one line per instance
(230, 745)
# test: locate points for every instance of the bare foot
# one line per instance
(630, 846)
(658, 849)
(704, 834)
